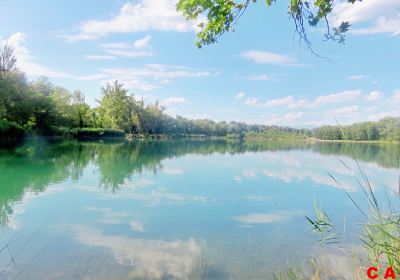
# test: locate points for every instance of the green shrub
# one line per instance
(97, 133)
(10, 130)
(59, 131)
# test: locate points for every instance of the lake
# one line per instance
(179, 209)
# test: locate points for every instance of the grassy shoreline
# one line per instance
(100, 133)
(312, 139)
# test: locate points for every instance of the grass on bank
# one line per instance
(12, 132)
(380, 234)
(97, 133)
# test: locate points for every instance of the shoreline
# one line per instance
(311, 139)
(133, 137)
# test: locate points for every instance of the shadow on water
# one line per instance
(38, 163)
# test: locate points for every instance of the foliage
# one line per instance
(42, 107)
(7, 59)
(381, 238)
(278, 133)
(10, 129)
(323, 225)
(222, 16)
(113, 109)
(45, 109)
(386, 129)
(97, 133)
(381, 229)
(315, 269)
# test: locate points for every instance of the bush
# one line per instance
(10, 130)
(59, 131)
(97, 133)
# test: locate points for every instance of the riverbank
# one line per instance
(311, 139)
(104, 133)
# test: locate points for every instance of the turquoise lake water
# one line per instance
(178, 209)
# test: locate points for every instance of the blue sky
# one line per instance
(258, 74)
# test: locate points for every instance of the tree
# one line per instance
(223, 15)
(80, 109)
(62, 99)
(44, 112)
(113, 109)
(15, 98)
(8, 61)
(156, 118)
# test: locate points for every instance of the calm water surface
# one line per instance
(176, 209)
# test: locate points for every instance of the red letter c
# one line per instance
(369, 272)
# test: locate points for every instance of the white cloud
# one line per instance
(144, 15)
(381, 115)
(291, 102)
(173, 100)
(268, 218)
(269, 58)
(151, 76)
(240, 96)
(344, 111)
(286, 101)
(157, 72)
(358, 77)
(127, 50)
(252, 101)
(142, 43)
(262, 77)
(99, 57)
(92, 77)
(337, 97)
(382, 25)
(274, 119)
(26, 62)
(128, 53)
(132, 83)
(114, 45)
(293, 116)
(396, 95)
(374, 96)
(374, 16)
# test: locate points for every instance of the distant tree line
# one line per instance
(39, 107)
(43, 108)
(386, 129)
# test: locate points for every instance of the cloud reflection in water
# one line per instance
(149, 259)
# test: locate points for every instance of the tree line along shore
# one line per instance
(32, 108)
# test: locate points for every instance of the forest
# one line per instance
(387, 129)
(41, 108)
